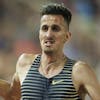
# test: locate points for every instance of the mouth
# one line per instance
(49, 43)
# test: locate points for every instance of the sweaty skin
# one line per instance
(4, 87)
(83, 76)
(53, 34)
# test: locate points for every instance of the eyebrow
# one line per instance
(53, 25)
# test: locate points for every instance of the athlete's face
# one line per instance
(53, 33)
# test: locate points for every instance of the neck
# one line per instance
(51, 58)
(51, 64)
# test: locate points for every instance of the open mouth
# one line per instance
(49, 42)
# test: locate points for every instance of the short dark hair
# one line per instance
(57, 9)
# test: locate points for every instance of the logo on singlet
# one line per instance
(56, 82)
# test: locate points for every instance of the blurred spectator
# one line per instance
(2, 9)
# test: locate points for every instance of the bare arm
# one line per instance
(87, 78)
(12, 91)
(91, 83)
(4, 87)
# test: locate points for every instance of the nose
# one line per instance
(49, 33)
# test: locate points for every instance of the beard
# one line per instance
(48, 50)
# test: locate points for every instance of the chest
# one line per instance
(59, 87)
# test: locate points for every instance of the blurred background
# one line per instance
(19, 24)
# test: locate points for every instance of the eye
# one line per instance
(44, 28)
(55, 28)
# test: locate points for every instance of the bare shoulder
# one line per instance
(25, 59)
(83, 74)
(23, 65)
(80, 71)
(82, 68)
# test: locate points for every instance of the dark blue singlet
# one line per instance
(60, 87)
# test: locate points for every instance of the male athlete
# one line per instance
(51, 75)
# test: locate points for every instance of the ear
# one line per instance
(68, 36)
